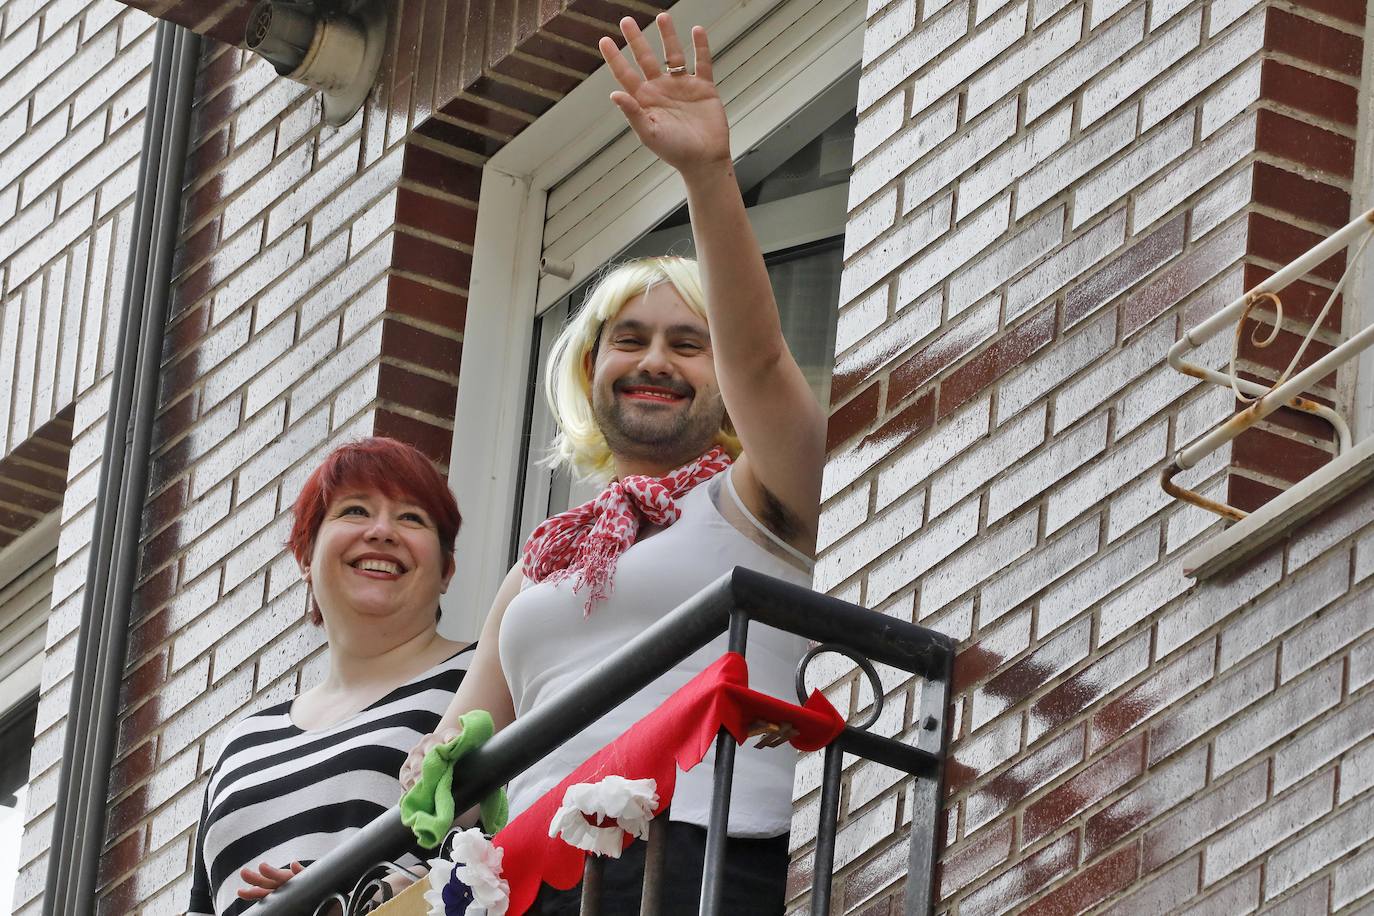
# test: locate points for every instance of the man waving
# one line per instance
(675, 386)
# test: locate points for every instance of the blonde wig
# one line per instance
(579, 444)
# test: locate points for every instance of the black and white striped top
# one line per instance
(280, 794)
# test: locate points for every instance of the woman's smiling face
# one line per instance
(377, 558)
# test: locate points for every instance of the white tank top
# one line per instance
(546, 645)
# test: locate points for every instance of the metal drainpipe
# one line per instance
(93, 716)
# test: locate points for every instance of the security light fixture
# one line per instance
(337, 51)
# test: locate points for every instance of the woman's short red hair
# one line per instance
(391, 467)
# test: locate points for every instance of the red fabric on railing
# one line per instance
(677, 734)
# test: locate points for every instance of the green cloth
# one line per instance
(427, 808)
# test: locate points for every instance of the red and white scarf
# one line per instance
(586, 542)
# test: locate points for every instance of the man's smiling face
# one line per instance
(653, 380)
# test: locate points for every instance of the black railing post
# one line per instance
(718, 829)
(927, 794)
(592, 870)
(652, 893)
(825, 831)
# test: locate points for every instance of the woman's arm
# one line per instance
(483, 687)
(680, 118)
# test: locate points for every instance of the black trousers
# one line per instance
(755, 878)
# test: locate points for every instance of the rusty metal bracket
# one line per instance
(1166, 480)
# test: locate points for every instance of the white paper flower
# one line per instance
(596, 815)
(440, 870)
(477, 864)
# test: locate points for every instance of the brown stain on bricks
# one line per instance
(1027, 877)
(1147, 699)
(879, 873)
(912, 421)
(1156, 794)
(989, 848)
(1016, 682)
(855, 415)
(1085, 788)
(1076, 694)
(1136, 263)
(1005, 353)
(1091, 886)
(1188, 274)
(928, 362)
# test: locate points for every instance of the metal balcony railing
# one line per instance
(729, 604)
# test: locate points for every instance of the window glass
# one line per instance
(795, 186)
(16, 740)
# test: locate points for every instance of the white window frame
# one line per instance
(1358, 380)
(506, 293)
(16, 559)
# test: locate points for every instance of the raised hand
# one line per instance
(675, 113)
(265, 879)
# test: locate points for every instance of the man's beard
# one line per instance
(671, 438)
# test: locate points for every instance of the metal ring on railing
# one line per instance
(332, 905)
(864, 664)
(372, 889)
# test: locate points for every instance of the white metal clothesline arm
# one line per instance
(1287, 392)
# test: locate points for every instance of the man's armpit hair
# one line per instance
(778, 518)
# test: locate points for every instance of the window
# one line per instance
(16, 741)
(26, 571)
(575, 191)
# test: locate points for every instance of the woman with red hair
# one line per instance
(373, 536)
